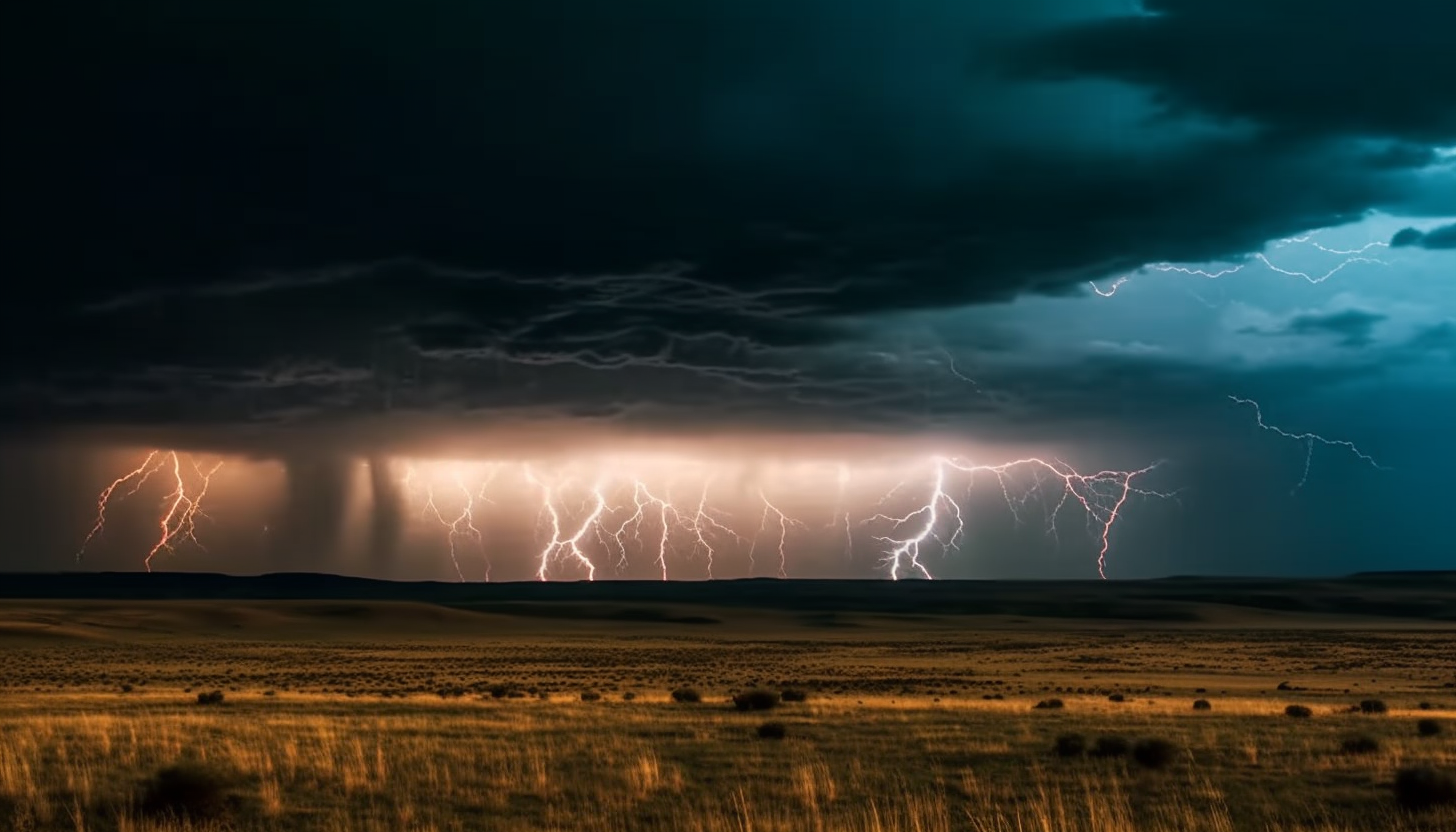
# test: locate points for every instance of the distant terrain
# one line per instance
(719, 609)
(206, 703)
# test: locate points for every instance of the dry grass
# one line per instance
(895, 735)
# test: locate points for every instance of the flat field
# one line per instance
(357, 716)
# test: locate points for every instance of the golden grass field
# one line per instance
(381, 717)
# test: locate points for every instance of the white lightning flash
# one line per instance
(1309, 440)
(1351, 257)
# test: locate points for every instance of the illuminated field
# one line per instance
(373, 716)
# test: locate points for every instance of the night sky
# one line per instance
(341, 248)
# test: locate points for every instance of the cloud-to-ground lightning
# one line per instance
(783, 521)
(138, 477)
(460, 524)
(616, 515)
(1350, 257)
(1309, 440)
(1102, 496)
(558, 545)
(180, 508)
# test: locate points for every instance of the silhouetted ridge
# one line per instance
(1411, 595)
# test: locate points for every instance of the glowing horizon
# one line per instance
(601, 515)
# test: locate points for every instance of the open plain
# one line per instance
(292, 703)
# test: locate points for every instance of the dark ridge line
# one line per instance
(1421, 595)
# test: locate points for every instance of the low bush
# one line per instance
(1424, 788)
(1373, 706)
(1108, 747)
(756, 700)
(1360, 745)
(1154, 753)
(1202, 705)
(772, 731)
(688, 695)
(1049, 705)
(1298, 712)
(1428, 727)
(214, 697)
(1070, 745)
(186, 790)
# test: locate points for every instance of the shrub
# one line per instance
(1425, 706)
(1428, 727)
(1049, 705)
(1154, 753)
(1360, 745)
(1117, 697)
(1202, 705)
(628, 696)
(794, 695)
(772, 731)
(187, 790)
(590, 696)
(1070, 745)
(1107, 747)
(1285, 686)
(126, 688)
(1373, 706)
(756, 700)
(1424, 788)
(214, 697)
(686, 695)
(1298, 712)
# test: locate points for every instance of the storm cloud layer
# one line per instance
(293, 228)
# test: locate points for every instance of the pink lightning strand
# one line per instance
(1102, 496)
(588, 523)
(180, 509)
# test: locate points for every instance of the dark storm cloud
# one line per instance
(1351, 327)
(1439, 238)
(276, 213)
(1302, 67)
(1437, 338)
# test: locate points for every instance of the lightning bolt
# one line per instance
(180, 508)
(644, 500)
(139, 475)
(616, 510)
(841, 513)
(703, 521)
(784, 522)
(180, 518)
(1102, 495)
(560, 546)
(1309, 440)
(1351, 257)
(461, 531)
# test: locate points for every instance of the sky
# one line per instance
(397, 264)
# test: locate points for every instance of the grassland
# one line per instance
(357, 717)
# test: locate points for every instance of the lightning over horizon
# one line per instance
(180, 510)
(503, 292)
(604, 516)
